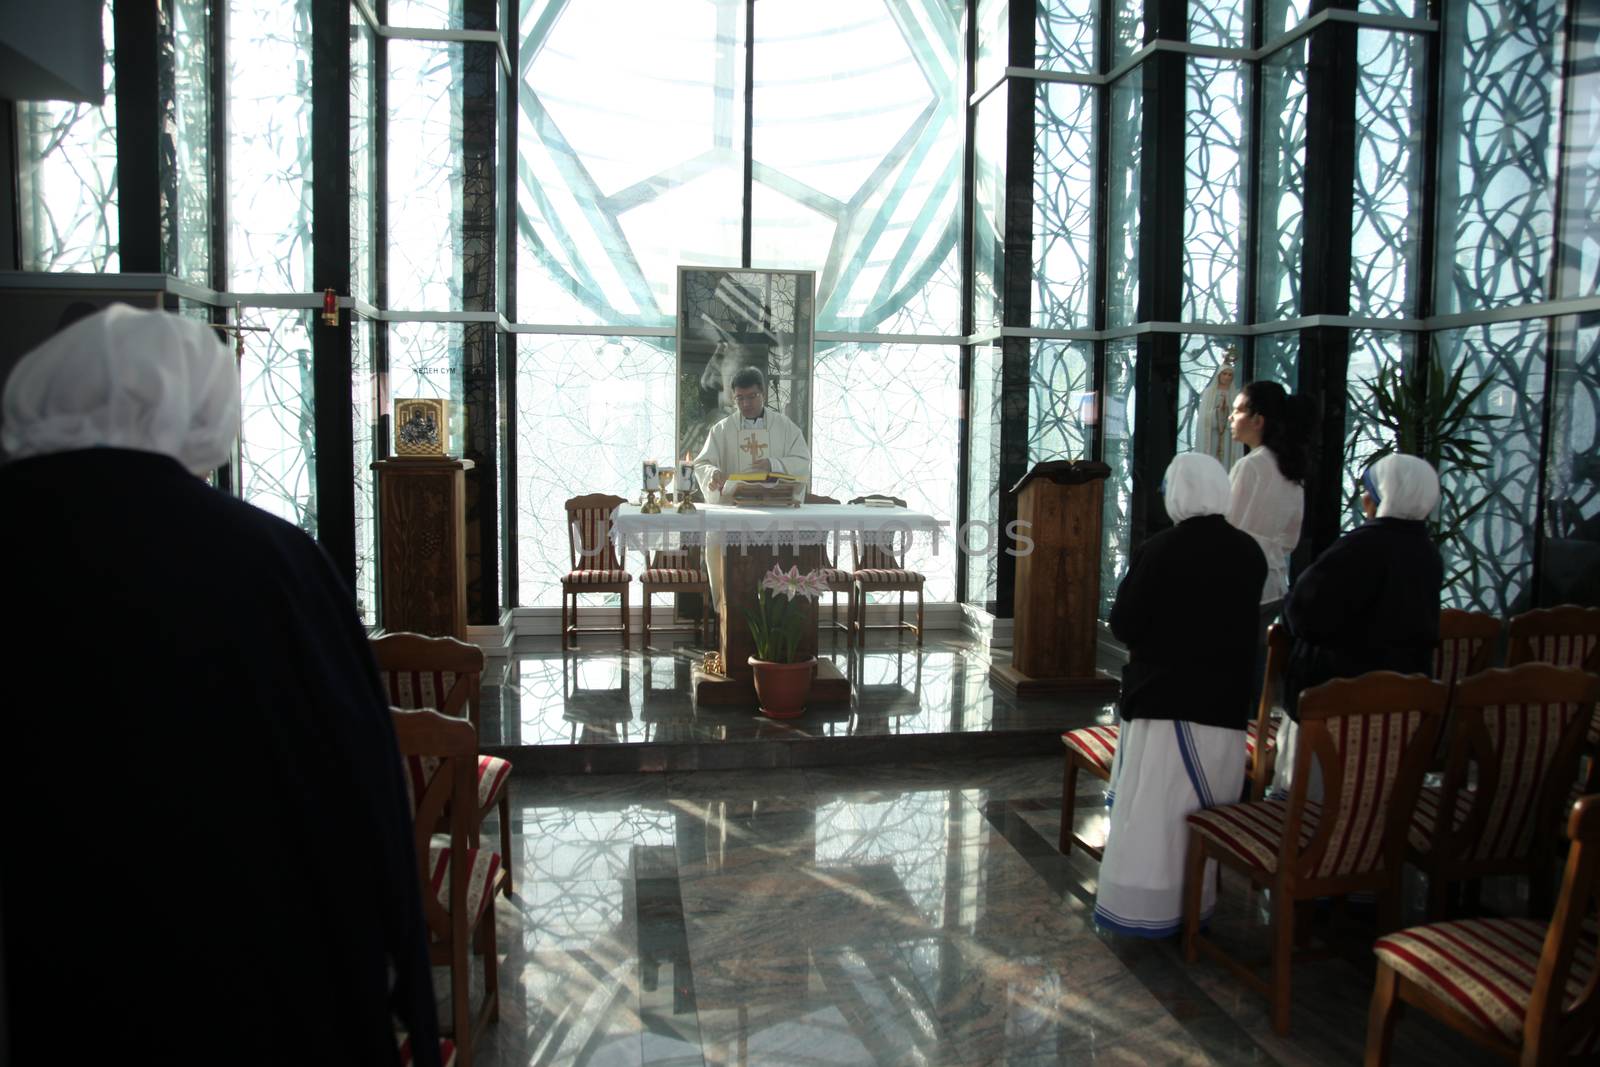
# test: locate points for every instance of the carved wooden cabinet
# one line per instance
(422, 545)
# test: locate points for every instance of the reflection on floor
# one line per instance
(915, 913)
(605, 697)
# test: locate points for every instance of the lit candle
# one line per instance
(686, 477)
(652, 475)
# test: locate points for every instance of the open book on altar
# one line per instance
(764, 489)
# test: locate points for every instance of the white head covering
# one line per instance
(126, 378)
(1196, 485)
(1404, 487)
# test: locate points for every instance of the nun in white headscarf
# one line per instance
(1188, 613)
(223, 740)
(1371, 601)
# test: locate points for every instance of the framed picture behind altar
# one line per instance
(730, 318)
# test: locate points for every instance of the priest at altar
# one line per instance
(754, 438)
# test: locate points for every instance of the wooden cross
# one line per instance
(753, 446)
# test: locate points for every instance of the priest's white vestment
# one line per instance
(787, 451)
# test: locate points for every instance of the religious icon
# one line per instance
(1211, 432)
(419, 427)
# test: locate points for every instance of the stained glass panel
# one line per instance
(588, 409)
(1213, 208)
(885, 422)
(1061, 403)
(1064, 35)
(1281, 226)
(1063, 207)
(1122, 287)
(1571, 559)
(67, 178)
(1117, 453)
(983, 468)
(631, 155)
(1488, 565)
(1386, 224)
(189, 156)
(1497, 218)
(278, 433)
(269, 145)
(426, 175)
(856, 137)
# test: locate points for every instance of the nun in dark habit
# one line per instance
(1370, 602)
(1188, 611)
(209, 854)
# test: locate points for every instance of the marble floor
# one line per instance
(916, 913)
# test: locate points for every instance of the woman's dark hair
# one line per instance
(1285, 426)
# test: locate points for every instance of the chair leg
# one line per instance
(919, 616)
(645, 604)
(505, 834)
(1386, 1009)
(1194, 873)
(625, 619)
(564, 619)
(900, 616)
(1283, 930)
(460, 1002)
(1069, 801)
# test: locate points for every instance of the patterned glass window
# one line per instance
(983, 479)
(1064, 35)
(1580, 214)
(1225, 23)
(426, 175)
(187, 163)
(1061, 403)
(1117, 515)
(68, 178)
(1281, 16)
(1281, 225)
(1371, 352)
(363, 430)
(989, 210)
(1386, 222)
(425, 361)
(1122, 285)
(363, 137)
(1277, 357)
(278, 432)
(1063, 207)
(1200, 365)
(1571, 559)
(1214, 172)
(994, 40)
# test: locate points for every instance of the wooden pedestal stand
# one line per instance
(1058, 584)
(422, 507)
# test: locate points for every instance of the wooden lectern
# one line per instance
(422, 519)
(1056, 631)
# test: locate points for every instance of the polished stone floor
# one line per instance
(541, 705)
(901, 914)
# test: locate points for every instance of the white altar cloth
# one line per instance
(809, 524)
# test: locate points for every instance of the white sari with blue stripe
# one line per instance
(1163, 771)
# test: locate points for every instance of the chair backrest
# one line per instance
(441, 673)
(447, 750)
(1466, 644)
(1568, 636)
(1521, 727)
(685, 557)
(1373, 737)
(830, 547)
(589, 532)
(876, 554)
(1556, 1020)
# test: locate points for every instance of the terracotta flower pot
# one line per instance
(782, 688)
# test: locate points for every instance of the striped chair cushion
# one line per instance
(493, 774)
(599, 577)
(885, 576)
(418, 689)
(834, 577)
(590, 532)
(1425, 818)
(447, 1049)
(1250, 743)
(1452, 656)
(671, 574)
(483, 867)
(1484, 968)
(1252, 832)
(1096, 744)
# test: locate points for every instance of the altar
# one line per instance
(752, 541)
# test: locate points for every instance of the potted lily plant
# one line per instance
(777, 623)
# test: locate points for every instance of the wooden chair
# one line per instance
(459, 882)
(1568, 636)
(1466, 644)
(597, 564)
(677, 570)
(1091, 750)
(1520, 730)
(1260, 760)
(837, 580)
(1521, 988)
(880, 569)
(1373, 737)
(445, 674)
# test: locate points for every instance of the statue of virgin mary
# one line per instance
(1211, 433)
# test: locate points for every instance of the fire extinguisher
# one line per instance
(330, 308)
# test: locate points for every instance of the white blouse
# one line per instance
(1268, 507)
